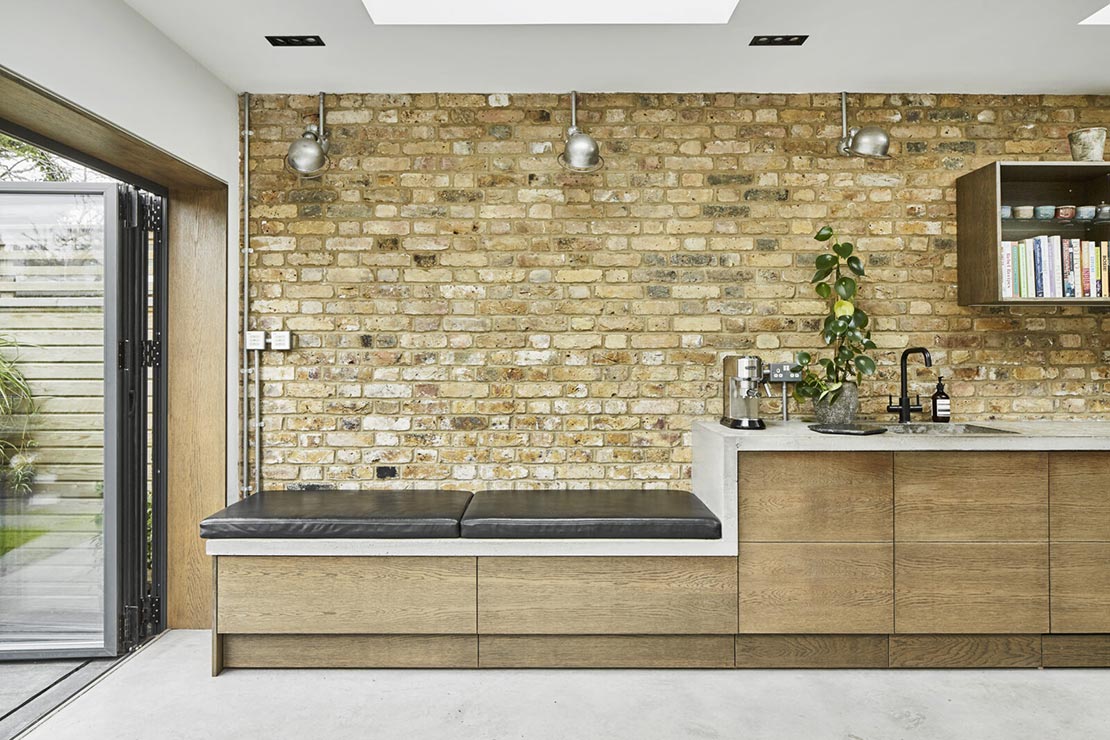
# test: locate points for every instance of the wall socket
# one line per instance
(255, 340)
(281, 340)
(780, 373)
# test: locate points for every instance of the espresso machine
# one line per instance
(742, 381)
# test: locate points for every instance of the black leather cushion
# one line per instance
(616, 514)
(340, 514)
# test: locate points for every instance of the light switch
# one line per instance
(255, 340)
(280, 340)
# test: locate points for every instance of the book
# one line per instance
(1027, 268)
(1085, 269)
(1069, 270)
(1056, 249)
(1076, 272)
(1038, 267)
(1006, 261)
(1106, 269)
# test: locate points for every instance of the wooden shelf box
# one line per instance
(981, 228)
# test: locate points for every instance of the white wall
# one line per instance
(106, 58)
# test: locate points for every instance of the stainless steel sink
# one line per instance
(946, 429)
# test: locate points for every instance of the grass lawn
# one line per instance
(10, 539)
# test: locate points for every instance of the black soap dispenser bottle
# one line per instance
(942, 405)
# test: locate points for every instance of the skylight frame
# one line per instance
(565, 12)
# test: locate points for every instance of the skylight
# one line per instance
(1099, 18)
(529, 13)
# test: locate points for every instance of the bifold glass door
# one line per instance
(74, 424)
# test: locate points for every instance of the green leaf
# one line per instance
(844, 309)
(820, 275)
(826, 261)
(828, 335)
(845, 354)
(865, 364)
(859, 320)
(855, 264)
(844, 249)
(839, 327)
(845, 288)
(804, 358)
(870, 344)
(823, 289)
(824, 234)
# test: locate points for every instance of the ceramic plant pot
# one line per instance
(841, 411)
(1088, 144)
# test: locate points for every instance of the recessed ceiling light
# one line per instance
(295, 40)
(531, 12)
(785, 39)
(1098, 18)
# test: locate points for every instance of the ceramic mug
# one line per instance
(1065, 213)
(1044, 213)
(1025, 211)
(1007, 212)
(1103, 212)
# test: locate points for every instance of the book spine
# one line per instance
(1106, 269)
(1049, 267)
(1006, 257)
(1076, 271)
(1085, 268)
(1027, 267)
(1057, 267)
(1069, 271)
(1038, 267)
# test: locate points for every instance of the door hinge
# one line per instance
(151, 613)
(152, 353)
(152, 214)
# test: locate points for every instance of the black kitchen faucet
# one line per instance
(904, 408)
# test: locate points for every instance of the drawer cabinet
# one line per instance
(1080, 490)
(816, 496)
(971, 588)
(345, 595)
(816, 588)
(606, 595)
(1081, 586)
(971, 496)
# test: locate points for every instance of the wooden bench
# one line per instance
(443, 579)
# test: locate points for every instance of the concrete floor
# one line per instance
(165, 692)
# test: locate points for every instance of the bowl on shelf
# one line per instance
(1044, 213)
(1086, 213)
(1103, 213)
(1006, 212)
(1065, 213)
(1023, 211)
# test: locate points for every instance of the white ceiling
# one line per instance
(980, 46)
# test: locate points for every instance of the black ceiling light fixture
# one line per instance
(786, 39)
(295, 41)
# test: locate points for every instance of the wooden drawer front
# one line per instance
(965, 651)
(816, 588)
(1081, 587)
(970, 496)
(971, 588)
(811, 651)
(1080, 490)
(606, 651)
(606, 595)
(346, 595)
(816, 496)
(350, 651)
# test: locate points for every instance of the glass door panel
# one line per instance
(59, 246)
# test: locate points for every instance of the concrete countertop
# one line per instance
(796, 436)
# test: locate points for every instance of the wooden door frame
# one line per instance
(196, 352)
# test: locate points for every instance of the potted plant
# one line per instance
(16, 406)
(833, 387)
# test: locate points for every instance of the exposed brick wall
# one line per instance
(465, 311)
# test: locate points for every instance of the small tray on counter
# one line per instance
(853, 429)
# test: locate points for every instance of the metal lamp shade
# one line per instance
(869, 141)
(581, 153)
(308, 155)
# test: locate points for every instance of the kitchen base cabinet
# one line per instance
(605, 651)
(987, 588)
(606, 595)
(816, 588)
(1081, 587)
(1076, 651)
